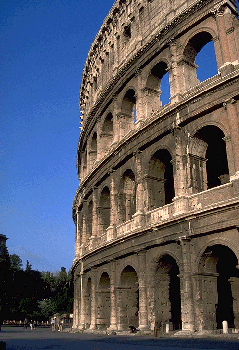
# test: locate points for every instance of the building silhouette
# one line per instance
(157, 208)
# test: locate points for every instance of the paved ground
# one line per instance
(42, 339)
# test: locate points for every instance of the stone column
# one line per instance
(93, 299)
(84, 228)
(234, 281)
(174, 74)
(187, 302)
(76, 301)
(232, 114)
(78, 234)
(143, 312)
(82, 300)
(179, 166)
(139, 215)
(113, 318)
(116, 126)
(94, 214)
(180, 173)
(113, 203)
(221, 27)
(140, 107)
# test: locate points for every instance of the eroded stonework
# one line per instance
(157, 208)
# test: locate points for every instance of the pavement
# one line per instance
(17, 338)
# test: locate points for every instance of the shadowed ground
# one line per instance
(42, 338)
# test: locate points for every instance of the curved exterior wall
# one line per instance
(156, 211)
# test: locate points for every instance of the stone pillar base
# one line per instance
(112, 327)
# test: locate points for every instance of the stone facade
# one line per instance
(157, 208)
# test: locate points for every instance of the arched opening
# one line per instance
(107, 132)
(167, 297)
(129, 102)
(160, 179)
(158, 87)
(219, 286)
(165, 88)
(128, 112)
(104, 210)
(103, 304)
(128, 299)
(127, 196)
(89, 219)
(200, 44)
(84, 162)
(217, 172)
(88, 304)
(93, 149)
(206, 62)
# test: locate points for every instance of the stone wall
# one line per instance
(156, 211)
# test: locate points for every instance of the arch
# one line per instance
(219, 286)
(167, 298)
(158, 86)
(89, 219)
(103, 303)
(84, 161)
(93, 149)
(195, 44)
(127, 196)
(128, 299)
(160, 179)
(215, 165)
(104, 210)
(129, 102)
(107, 132)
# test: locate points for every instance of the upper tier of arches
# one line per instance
(131, 30)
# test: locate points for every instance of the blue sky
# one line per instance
(44, 45)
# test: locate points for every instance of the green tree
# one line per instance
(5, 284)
(15, 262)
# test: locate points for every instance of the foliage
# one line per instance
(32, 294)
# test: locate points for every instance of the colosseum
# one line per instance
(157, 208)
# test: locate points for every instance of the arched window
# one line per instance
(103, 302)
(104, 209)
(127, 196)
(158, 88)
(206, 62)
(217, 172)
(200, 45)
(107, 132)
(128, 300)
(93, 149)
(219, 287)
(89, 219)
(129, 102)
(160, 179)
(84, 161)
(167, 298)
(128, 112)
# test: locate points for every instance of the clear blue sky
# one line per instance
(44, 45)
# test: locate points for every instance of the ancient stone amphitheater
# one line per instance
(157, 208)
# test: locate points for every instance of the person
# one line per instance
(31, 325)
(25, 323)
(53, 325)
(34, 324)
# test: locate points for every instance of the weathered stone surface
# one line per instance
(156, 211)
